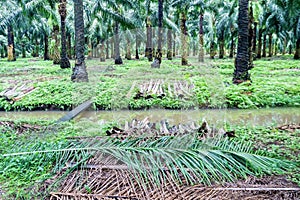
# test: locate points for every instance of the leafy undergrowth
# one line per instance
(20, 174)
(275, 83)
(272, 142)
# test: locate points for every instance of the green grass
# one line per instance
(275, 83)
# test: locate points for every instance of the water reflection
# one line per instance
(241, 117)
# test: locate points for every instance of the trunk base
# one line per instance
(10, 53)
(118, 61)
(169, 55)
(149, 54)
(297, 53)
(184, 62)
(128, 57)
(65, 63)
(155, 64)
(239, 77)
(137, 54)
(79, 73)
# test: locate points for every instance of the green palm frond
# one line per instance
(186, 158)
(123, 20)
(171, 24)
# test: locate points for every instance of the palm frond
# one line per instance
(171, 24)
(186, 158)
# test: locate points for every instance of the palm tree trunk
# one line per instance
(94, 51)
(242, 59)
(264, 46)
(55, 51)
(250, 38)
(46, 47)
(231, 45)
(11, 56)
(2, 53)
(275, 48)
(98, 50)
(118, 59)
(153, 42)
(174, 44)
(102, 51)
(201, 39)
(90, 48)
(169, 40)
(36, 49)
(254, 41)
(221, 46)
(23, 50)
(284, 46)
(137, 45)
(297, 53)
(112, 52)
(107, 49)
(128, 49)
(69, 45)
(79, 71)
(212, 50)
(158, 54)
(64, 60)
(149, 51)
(270, 45)
(184, 38)
(194, 47)
(259, 43)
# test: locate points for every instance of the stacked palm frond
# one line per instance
(144, 128)
(160, 88)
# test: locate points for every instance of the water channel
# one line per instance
(265, 117)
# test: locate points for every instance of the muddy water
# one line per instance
(248, 117)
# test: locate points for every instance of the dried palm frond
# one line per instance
(139, 165)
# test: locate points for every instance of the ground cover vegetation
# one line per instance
(43, 86)
(142, 54)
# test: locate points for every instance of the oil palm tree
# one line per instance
(210, 29)
(226, 26)
(197, 15)
(7, 22)
(64, 60)
(116, 10)
(241, 73)
(182, 8)
(20, 11)
(79, 71)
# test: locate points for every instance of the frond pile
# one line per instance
(144, 168)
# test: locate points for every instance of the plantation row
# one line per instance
(96, 27)
(132, 86)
